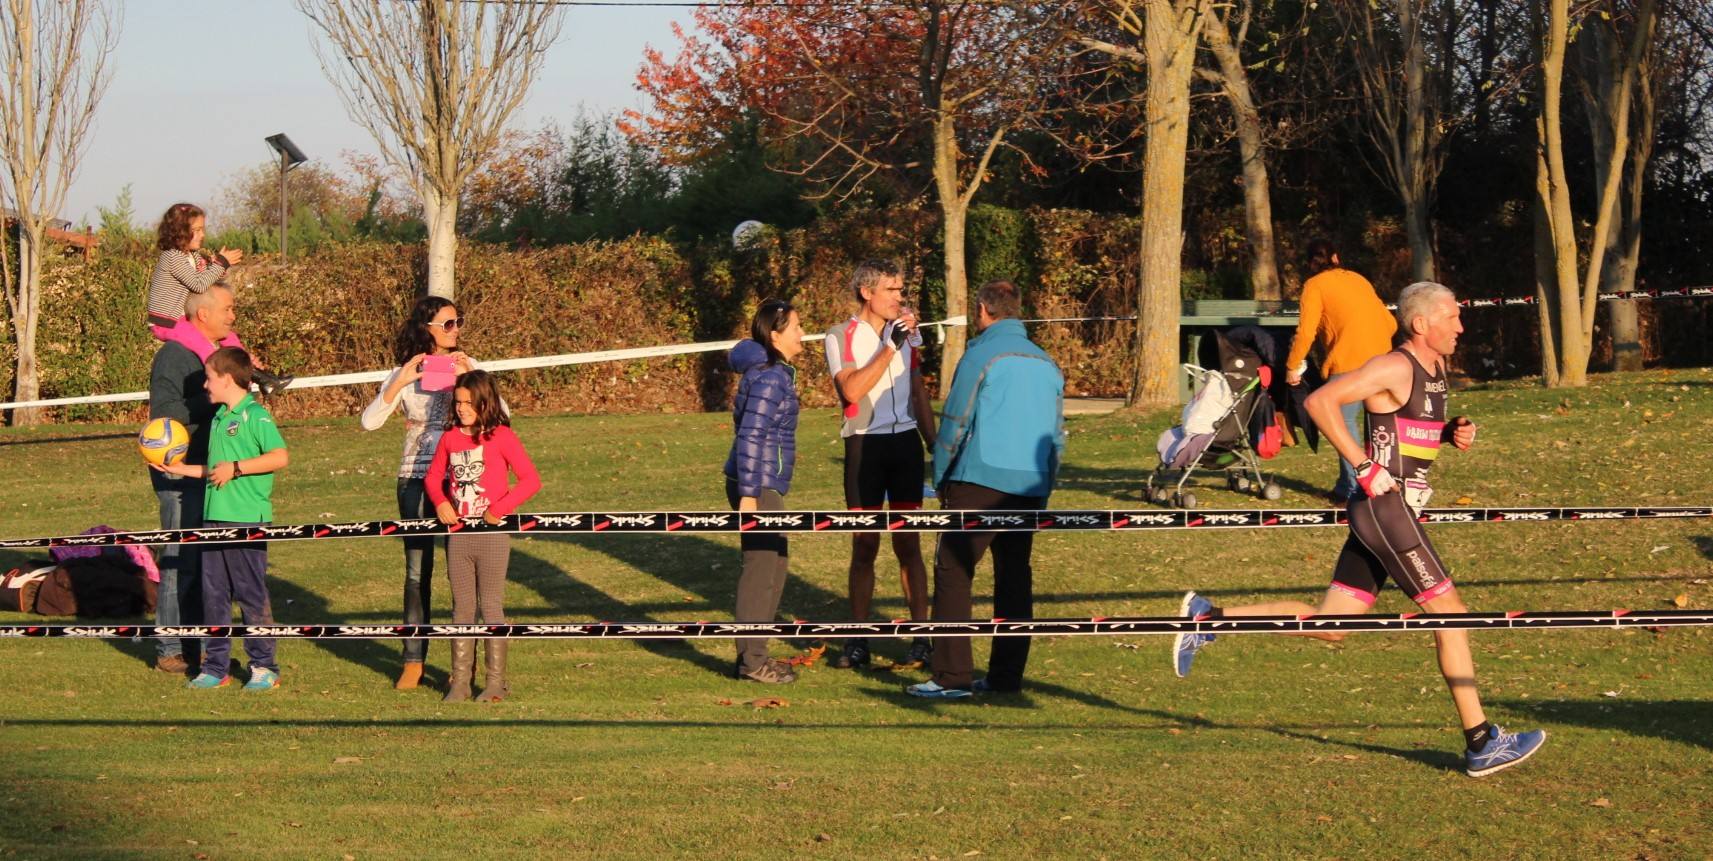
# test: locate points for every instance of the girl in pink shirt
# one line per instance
(469, 479)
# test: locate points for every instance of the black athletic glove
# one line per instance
(897, 334)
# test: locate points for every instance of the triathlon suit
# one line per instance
(1386, 539)
(884, 458)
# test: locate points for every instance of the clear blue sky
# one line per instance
(197, 85)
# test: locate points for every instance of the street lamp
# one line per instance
(290, 157)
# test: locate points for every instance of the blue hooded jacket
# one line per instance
(764, 418)
(1003, 425)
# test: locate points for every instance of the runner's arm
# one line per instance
(1386, 377)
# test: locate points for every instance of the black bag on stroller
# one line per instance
(1218, 426)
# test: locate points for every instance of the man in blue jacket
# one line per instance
(1000, 441)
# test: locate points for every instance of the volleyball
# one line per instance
(163, 441)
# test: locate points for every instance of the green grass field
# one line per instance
(1275, 748)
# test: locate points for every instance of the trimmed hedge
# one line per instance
(337, 310)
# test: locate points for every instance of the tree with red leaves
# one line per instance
(922, 93)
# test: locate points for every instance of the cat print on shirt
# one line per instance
(467, 469)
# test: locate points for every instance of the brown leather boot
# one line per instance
(463, 668)
(409, 676)
(494, 658)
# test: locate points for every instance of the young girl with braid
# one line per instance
(468, 479)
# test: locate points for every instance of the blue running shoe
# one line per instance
(208, 681)
(262, 679)
(932, 690)
(1503, 750)
(1187, 644)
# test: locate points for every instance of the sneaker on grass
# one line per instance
(208, 681)
(932, 690)
(1503, 750)
(921, 652)
(854, 656)
(771, 673)
(1187, 644)
(262, 679)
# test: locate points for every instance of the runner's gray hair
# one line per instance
(1417, 300)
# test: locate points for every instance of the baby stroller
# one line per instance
(1219, 425)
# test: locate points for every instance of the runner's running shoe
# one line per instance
(1187, 644)
(1503, 750)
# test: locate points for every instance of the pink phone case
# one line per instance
(438, 373)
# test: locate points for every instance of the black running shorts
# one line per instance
(883, 469)
(1385, 541)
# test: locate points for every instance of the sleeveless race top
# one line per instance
(1406, 441)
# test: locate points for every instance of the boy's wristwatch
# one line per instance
(237, 469)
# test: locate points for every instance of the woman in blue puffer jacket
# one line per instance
(758, 471)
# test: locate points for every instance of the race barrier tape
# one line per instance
(1099, 626)
(842, 521)
(364, 377)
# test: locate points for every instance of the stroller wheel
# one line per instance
(1271, 491)
(1239, 483)
(1187, 501)
(1157, 495)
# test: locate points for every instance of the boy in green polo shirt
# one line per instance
(245, 449)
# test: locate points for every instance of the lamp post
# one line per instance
(290, 157)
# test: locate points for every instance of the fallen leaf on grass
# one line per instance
(1465, 500)
(823, 837)
(1600, 802)
(294, 824)
(1680, 601)
(1323, 818)
(347, 760)
(1610, 694)
(722, 702)
(770, 703)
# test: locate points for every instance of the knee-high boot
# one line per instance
(494, 658)
(463, 668)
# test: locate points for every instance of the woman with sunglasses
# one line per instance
(426, 343)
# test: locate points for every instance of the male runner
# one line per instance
(874, 361)
(1404, 393)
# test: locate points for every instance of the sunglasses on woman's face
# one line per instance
(449, 325)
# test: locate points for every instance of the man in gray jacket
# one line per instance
(176, 392)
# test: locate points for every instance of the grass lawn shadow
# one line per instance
(1683, 721)
(1442, 760)
(294, 604)
(575, 597)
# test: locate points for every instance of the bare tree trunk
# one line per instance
(1416, 188)
(441, 215)
(1170, 35)
(1562, 310)
(1577, 302)
(1251, 149)
(26, 379)
(954, 207)
(1546, 280)
(1622, 250)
